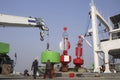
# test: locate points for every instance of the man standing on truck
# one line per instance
(34, 68)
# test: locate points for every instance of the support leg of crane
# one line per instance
(96, 62)
(97, 70)
(107, 68)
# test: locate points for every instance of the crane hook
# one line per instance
(42, 35)
(42, 32)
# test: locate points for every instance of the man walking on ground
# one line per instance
(34, 68)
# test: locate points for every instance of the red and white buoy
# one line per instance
(65, 46)
(78, 61)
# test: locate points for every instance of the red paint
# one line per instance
(78, 61)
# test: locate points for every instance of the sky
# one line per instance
(57, 14)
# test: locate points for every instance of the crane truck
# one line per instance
(17, 21)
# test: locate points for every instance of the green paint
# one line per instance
(53, 56)
(4, 48)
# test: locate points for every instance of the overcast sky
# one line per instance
(57, 14)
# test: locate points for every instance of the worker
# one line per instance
(26, 72)
(48, 70)
(34, 68)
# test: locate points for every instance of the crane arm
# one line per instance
(103, 21)
(10, 20)
(18, 21)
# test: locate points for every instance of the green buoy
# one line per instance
(4, 48)
(53, 56)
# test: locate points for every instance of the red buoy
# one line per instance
(78, 61)
(65, 46)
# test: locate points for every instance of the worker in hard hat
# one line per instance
(34, 68)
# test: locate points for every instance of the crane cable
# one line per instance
(48, 45)
(88, 24)
(42, 36)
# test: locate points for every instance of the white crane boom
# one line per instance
(10, 20)
(18, 21)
